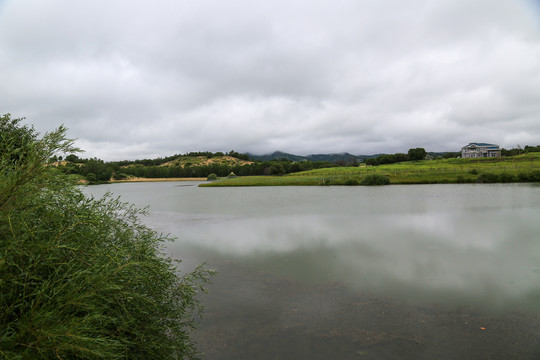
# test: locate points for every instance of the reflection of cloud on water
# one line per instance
(490, 257)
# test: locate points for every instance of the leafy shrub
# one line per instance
(507, 178)
(211, 177)
(82, 278)
(119, 176)
(534, 176)
(375, 179)
(91, 177)
(523, 176)
(488, 178)
(351, 182)
(473, 172)
(461, 179)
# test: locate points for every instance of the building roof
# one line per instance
(482, 144)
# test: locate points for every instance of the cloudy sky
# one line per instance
(139, 79)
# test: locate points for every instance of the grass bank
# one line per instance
(522, 168)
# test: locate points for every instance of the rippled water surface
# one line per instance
(404, 272)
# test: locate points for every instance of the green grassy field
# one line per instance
(522, 168)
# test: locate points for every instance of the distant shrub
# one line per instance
(523, 176)
(211, 177)
(488, 178)
(119, 176)
(533, 176)
(473, 172)
(351, 182)
(463, 180)
(231, 176)
(375, 179)
(507, 178)
(91, 177)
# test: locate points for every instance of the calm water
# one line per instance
(395, 272)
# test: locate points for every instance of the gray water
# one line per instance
(404, 272)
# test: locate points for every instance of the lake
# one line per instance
(392, 272)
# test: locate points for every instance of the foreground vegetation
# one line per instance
(520, 168)
(82, 278)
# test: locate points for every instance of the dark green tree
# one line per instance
(417, 154)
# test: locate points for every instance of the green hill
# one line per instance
(185, 160)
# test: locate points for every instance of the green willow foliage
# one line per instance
(82, 278)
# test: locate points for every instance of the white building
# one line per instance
(480, 150)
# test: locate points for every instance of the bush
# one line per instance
(351, 182)
(375, 179)
(91, 177)
(211, 177)
(82, 278)
(523, 176)
(534, 176)
(507, 178)
(119, 176)
(488, 178)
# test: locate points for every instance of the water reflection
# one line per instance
(386, 267)
(490, 257)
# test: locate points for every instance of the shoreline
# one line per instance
(156, 180)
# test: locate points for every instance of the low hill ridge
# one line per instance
(278, 155)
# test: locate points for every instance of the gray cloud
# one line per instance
(132, 79)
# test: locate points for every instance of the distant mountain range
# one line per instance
(278, 155)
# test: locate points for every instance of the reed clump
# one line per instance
(82, 278)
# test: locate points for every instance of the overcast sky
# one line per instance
(141, 79)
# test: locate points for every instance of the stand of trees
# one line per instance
(412, 155)
(274, 167)
(518, 150)
(529, 148)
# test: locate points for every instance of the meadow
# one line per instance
(520, 168)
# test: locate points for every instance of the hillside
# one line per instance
(278, 155)
(227, 160)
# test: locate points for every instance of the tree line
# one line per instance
(96, 170)
(421, 154)
(412, 155)
(274, 167)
